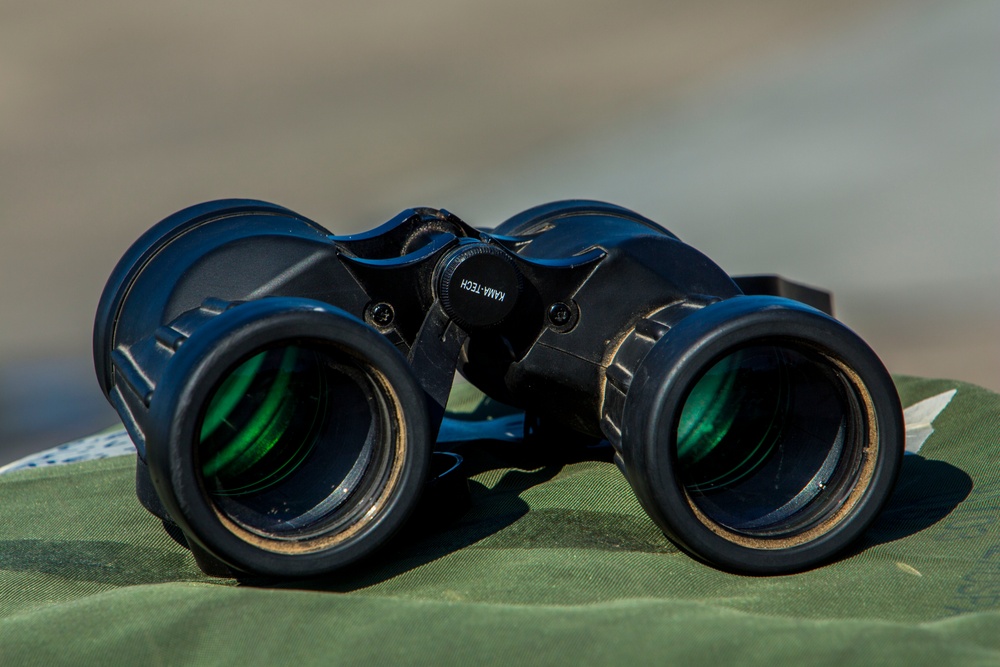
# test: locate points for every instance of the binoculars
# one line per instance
(284, 386)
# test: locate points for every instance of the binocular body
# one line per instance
(284, 386)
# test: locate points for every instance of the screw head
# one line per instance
(560, 314)
(382, 314)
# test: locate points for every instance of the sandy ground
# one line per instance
(846, 144)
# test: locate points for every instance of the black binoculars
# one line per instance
(284, 386)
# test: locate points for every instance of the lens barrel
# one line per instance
(289, 438)
(761, 435)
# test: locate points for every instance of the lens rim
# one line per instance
(374, 477)
(859, 477)
(192, 377)
(662, 383)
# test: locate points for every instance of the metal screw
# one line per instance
(382, 314)
(560, 314)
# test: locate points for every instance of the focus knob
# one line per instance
(478, 286)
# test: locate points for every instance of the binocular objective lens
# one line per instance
(286, 439)
(769, 440)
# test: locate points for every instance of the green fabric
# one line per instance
(553, 564)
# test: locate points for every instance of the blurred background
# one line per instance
(845, 144)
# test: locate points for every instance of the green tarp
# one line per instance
(553, 564)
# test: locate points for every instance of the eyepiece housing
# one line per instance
(761, 435)
(288, 438)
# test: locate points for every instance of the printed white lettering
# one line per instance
(476, 288)
(494, 293)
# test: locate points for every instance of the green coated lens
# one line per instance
(261, 422)
(730, 423)
(287, 437)
(760, 436)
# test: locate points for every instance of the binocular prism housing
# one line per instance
(284, 386)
